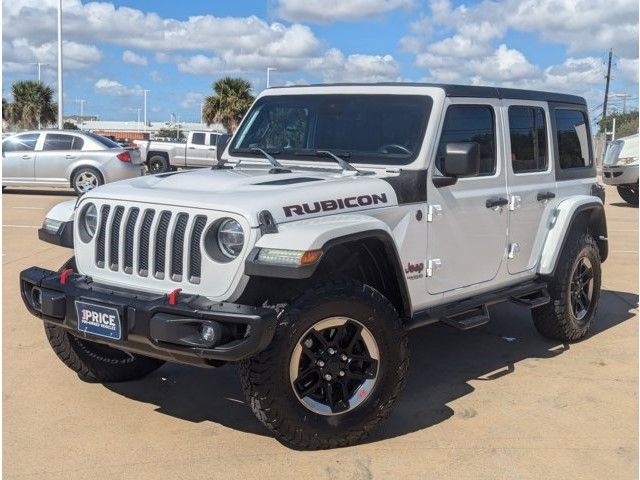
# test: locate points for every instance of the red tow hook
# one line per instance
(64, 276)
(173, 296)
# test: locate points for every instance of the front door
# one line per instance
(18, 157)
(531, 181)
(467, 229)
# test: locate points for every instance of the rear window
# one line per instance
(528, 134)
(107, 142)
(55, 141)
(573, 139)
(198, 139)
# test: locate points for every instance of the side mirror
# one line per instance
(223, 140)
(461, 160)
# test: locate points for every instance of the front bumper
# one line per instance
(620, 175)
(150, 325)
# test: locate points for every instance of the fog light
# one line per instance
(208, 333)
(51, 225)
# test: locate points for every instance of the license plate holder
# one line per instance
(101, 320)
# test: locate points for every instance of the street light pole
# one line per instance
(145, 91)
(81, 102)
(269, 70)
(138, 123)
(40, 65)
(60, 96)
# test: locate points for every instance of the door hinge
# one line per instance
(514, 249)
(433, 265)
(433, 211)
(515, 202)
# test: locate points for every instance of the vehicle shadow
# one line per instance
(623, 204)
(443, 362)
(57, 192)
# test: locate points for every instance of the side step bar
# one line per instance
(529, 294)
(468, 320)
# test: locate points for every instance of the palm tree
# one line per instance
(231, 101)
(32, 105)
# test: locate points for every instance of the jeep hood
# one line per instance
(248, 191)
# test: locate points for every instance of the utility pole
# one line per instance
(81, 102)
(138, 123)
(269, 70)
(40, 65)
(60, 96)
(606, 89)
(145, 91)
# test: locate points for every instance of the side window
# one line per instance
(56, 141)
(470, 123)
(528, 134)
(21, 143)
(198, 139)
(213, 139)
(573, 139)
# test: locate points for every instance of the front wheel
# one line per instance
(574, 291)
(629, 194)
(334, 370)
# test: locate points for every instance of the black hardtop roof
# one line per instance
(468, 91)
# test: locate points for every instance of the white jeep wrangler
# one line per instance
(337, 218)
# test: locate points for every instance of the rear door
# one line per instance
(198, 154)
(467, 236)
(18, 157)
(530, 181)
(58, 151)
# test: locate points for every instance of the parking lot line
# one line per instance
(28, 208)
(21, 226)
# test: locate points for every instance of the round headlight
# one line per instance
(230, 238)
(90, 220)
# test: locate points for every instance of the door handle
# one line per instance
(496, 202)
(192, 148)
(26, 157)
(70, 156)
(213, 148)
(545, 196)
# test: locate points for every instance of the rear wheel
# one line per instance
(85, 179)
(159, 164)
(334, 370)
(574, 291)
(629, 194)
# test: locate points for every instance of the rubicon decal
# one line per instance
(336, 204)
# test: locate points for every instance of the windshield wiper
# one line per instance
(346, 166)
(277, 166)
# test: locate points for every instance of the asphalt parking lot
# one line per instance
(495, 402)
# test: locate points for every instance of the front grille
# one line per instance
(141, 241)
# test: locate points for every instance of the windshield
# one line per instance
(376, 129)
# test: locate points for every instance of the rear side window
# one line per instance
(528, 134)
(56, 141)
(107, 142)
(470, 123)
(573, 139)
(198, 139)
(213, 139)
(21, 143)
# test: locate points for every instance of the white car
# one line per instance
(339, 218)
(66, 158)
(621, 167)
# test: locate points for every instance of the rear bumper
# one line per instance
(150, 325)
(620, 175)
(122, 171)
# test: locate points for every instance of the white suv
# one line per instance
(338, 218)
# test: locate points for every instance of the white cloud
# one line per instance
(133, 58)
(334, 66)
(191, 99)
(19, 53)
(115, 88)
(336, 10)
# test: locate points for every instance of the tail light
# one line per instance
(124, 156)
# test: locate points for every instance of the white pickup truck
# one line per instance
(198, 151)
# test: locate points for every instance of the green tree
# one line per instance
(231, 101)
(626, 123)
(170, 133)
(69, 126)
(32, 105)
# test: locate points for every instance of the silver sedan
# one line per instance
(81, 160)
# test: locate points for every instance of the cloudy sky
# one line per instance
(113, 50)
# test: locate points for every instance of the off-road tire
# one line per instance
(95, 362)
(629, 194)
(85, 171)
(266, 382)
(158, 164)
(555, 320)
